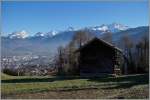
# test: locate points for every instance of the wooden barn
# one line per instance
(98, 57)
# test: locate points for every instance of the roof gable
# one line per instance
(99, 40)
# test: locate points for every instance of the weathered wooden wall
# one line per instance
(96, 58)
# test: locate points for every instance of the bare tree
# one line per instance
(81, 37)
(142, 49)
(128, 44)
(66, 58)
(146, 49)
(60, 59)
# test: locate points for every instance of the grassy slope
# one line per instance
(5, 76)
(16, 85)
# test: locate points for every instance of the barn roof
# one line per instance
(102, 41)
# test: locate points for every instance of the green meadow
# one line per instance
(129, 86)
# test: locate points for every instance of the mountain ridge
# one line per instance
(48, 46)
(114, 27)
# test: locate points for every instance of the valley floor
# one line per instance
(25, 87)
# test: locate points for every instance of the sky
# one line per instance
(44, 16)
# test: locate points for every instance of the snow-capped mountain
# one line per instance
(102, 28)
(114, 27)
(51, 33)
(70, 29)
(45, 35)
(49, 45)
(21, 34)
(39, 34)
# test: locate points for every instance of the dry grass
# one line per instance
(132, 86)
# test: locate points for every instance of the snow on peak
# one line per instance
(70, 29)
(114, 27)
(51, 33)
(48, 34)
(39, 34)
(21, 34)
(101, 28)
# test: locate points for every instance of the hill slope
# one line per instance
(49, 45)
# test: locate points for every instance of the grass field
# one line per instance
(131, 86)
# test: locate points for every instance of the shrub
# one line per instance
(10, 71)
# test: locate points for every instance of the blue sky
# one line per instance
(46, 16)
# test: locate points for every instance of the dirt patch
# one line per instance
(82, 94)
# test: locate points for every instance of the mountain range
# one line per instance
(114, 27)
(20, 43)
